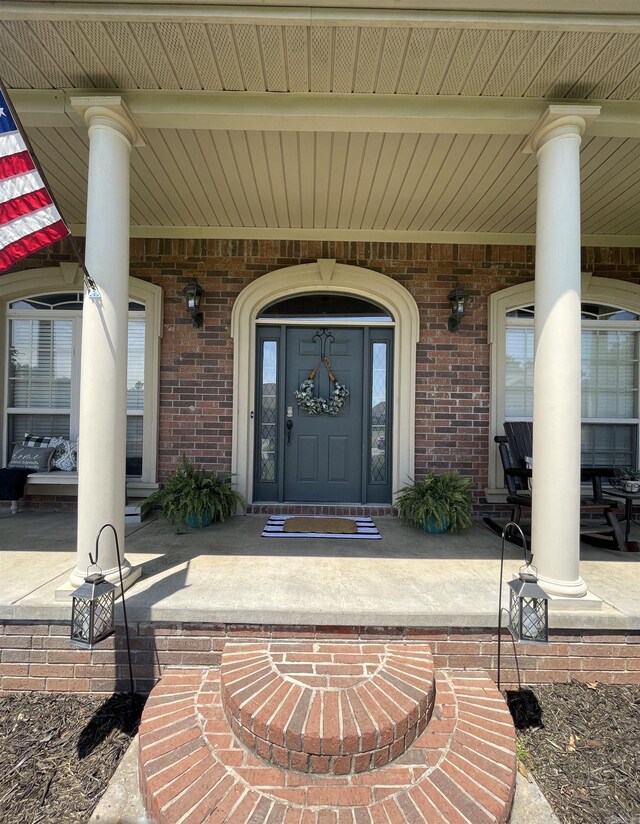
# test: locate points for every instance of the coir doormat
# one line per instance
(320, 526)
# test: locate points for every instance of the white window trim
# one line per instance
(593, 290)
(68, 278)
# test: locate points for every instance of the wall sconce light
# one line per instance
(529, 603)
(192, 293)
(457, 298)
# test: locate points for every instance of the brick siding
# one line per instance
(452, 388)
(38, 656)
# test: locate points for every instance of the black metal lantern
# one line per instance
(528, 609)
(457, 298)
(92, 611)
(192, 293)
(529, 603)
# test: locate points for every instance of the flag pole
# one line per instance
(92, 288)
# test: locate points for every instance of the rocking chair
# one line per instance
(516, 449)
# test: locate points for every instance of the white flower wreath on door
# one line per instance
(304, 395)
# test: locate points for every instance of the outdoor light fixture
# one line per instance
(92, 610)
(457, 298)
(528, 609)
(529, 603)
(192, 293)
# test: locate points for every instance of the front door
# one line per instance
(340, 458)
(323, 453)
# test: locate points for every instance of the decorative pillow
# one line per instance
(36, 440)
(66, 454)
(35, 458)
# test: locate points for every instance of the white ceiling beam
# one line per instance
(380, 235)
(540, 15)
(244, 111)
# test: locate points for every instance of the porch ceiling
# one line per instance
(388, 165)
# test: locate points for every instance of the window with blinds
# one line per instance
(44, 372)
(610, 380)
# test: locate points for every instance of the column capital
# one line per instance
(557, 121)
(110, 111)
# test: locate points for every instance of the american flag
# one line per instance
(29, 219)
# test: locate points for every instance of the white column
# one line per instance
(555, 529)
(103, 410)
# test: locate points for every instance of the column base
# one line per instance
(563, 589)
(129, 578)
(564, 603)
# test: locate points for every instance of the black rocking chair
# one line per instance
(515, 446)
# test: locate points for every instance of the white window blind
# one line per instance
(610, 414)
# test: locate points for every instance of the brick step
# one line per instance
(356, 510)
(193, 769)
(327, 707)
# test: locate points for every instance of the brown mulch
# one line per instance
(586, 755)
(58, 752)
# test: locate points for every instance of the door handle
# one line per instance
(289, 428)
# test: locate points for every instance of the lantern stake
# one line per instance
(526, 578)
(124, 607)
(91, 600)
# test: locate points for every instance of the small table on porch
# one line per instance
(629, 499)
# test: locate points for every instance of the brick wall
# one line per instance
(452, 398)
(37, 656)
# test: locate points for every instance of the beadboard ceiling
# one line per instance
(294, 182)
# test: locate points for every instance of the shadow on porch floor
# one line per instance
(228, 573)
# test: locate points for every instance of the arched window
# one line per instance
(44, 367)
(41, 364)
(610, 369)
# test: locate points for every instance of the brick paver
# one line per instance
(459, 764)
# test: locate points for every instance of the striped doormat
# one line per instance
(276, 527)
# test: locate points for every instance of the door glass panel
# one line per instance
(379, 435)
(268, 409)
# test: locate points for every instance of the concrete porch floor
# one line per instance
(227, 573)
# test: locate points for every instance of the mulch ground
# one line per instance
(58, 752)
(581, 743)
(583, 750)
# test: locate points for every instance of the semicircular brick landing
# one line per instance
(327, 707)
(193, 769)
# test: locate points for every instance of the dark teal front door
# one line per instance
(323, 453)
(320, 458)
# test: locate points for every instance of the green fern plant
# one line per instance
(445, 498)
(192, 492)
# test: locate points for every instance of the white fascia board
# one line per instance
(541, 15)
(41, 108)
(246, 111)
(363, 235)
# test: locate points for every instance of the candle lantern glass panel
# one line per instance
(528, 610)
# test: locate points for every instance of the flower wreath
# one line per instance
(321, 406)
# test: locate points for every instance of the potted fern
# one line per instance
(437, 503)
(628, 479)
(193, 497)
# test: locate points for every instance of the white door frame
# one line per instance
(324, 276)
